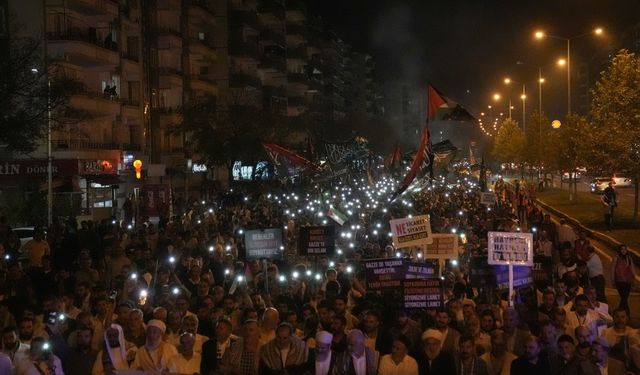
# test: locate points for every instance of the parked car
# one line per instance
(622, 181)
(599, 184)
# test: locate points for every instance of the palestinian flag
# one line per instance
(439, 107)
(337, 216)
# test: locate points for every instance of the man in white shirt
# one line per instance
(154, 355)
(620, 331)
(595, 305)
(596, 273)
(186, 361)
(583, 316)
(12, 346)
(323, 357)
(399, 362)
(566, 233)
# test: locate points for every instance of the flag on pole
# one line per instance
(440, 107)
(419, 162)
(337, 216)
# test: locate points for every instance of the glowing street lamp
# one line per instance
(539, 35)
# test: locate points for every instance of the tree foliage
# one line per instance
(27, 92)
(229, 131)
(509, 143)
(616, 116)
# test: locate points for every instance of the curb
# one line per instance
(607, 240)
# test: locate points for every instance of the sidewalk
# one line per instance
(587, 214)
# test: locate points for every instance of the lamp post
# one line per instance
(523, 96)
(541, 35)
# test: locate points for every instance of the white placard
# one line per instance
(488, 199)
(510, 248)
(409, 232)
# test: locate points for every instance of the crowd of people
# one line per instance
(183, 298)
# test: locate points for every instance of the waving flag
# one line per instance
(420, 161)
(439, 107)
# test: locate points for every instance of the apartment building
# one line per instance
(139, 61)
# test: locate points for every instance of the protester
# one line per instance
(138, 287)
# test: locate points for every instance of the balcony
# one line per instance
(95, 104)
(273, 62)
(297, 53)
(202, 49)
(246, 17)
(201, 7)
(270, 37)
(297, 101)
(240, 48)
(241, 80)
(204, 84)
(297, 78)
(296, 29)
(77, 144)
(83, 49)
(169, 78)
(272, 7)
(104, 10)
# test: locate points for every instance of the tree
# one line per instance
(571, 146)
(226, 132)
(509, 143)
(616, 114)
(30, 97)
(537, 142)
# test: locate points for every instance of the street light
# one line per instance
(523, 96)
(539, 35)
(497, 97)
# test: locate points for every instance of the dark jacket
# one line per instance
(310, 367)
(443, 364)
(344, 363)
(231, 357)
(522, 366)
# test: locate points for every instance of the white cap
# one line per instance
(158, 324)
(324, 337)
(432, 334)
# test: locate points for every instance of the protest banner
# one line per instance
(414, 231)
(384, 273)
(488, 199)
(422, 294)
(522, 276)
(542, 271)
(444, 246)
(317, 240)
(263, 243)
(420, 270)
(510, 248)
(481, 273)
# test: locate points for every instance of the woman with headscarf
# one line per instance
(116, 353)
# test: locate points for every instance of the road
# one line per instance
(625, 194)
(606, 254)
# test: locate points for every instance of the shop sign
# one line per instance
(93, 167)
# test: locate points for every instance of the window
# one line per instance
(132, 48)
(201, 36)
(204, 70)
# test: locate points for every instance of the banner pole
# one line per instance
(511, 297)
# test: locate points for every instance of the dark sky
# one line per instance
(467, 47)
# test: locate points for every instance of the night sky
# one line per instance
(466, 48)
